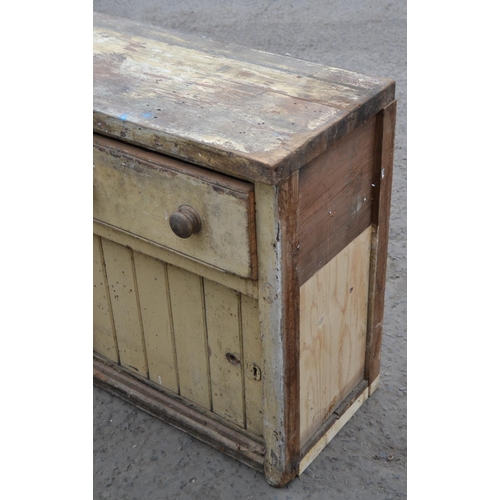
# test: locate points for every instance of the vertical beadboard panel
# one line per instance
(104, 332)
(188, 314)
(252, 353)
(156, 320)
(124, 301)
(333, 321)
(223, 329)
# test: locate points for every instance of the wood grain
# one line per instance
(263, 336)
(335, 199)
(332, 427)
(333, 321)
(386, 125)
(125, 304)
(137, 191)
(246, 113)
(288, 209)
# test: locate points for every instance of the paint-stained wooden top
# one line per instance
(243, 112)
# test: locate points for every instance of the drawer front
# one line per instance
(137, 191)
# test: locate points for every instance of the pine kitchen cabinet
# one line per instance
(241, 209)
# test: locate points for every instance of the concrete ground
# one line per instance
(139, 457)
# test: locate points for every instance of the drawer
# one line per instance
(137, 191)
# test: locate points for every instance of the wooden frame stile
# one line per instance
(381, 206)
(277, 241)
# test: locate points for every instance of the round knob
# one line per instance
(185, 222)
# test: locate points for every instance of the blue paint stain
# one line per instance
(123, 117)
(147, 115)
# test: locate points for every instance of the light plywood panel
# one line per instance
(104, 331)
(188, 315)
(155, 311)
(124, 302)
(332, 431)
(333, 320)
(223, 328)
(252, 354)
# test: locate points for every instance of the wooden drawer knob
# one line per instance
(185, 222)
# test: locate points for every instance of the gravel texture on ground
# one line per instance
(138, 457)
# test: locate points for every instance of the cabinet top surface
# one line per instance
(243, 112)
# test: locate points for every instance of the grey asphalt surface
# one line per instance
(139, 457)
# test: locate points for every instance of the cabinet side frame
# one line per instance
(279, 302)
(381, 206)
(381, 203)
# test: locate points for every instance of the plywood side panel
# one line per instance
(252, 355)
(226, 361)
(188, 315)
(156, 319)
(336, 425)
(124, 300)
(333, 322)
(104, 328)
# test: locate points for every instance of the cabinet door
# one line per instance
(190, 335)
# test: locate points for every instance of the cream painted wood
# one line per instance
(124, 300)
(138, 192)
(156, 320)
(245, 286)
(261, 341)
(270, 310)
(231, 319)
(252, 359)
(188, 314)
(223, 328)
(104, 328)
(333, 321)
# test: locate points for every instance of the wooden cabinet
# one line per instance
(241, 206)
